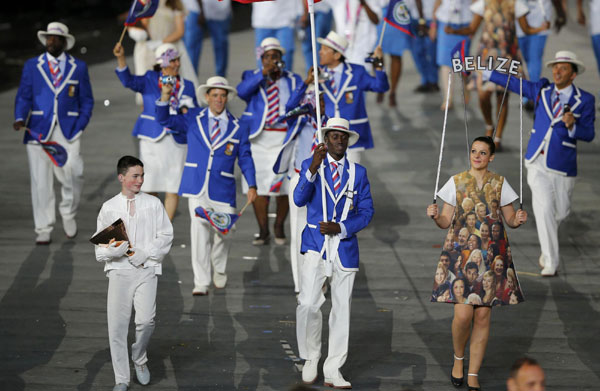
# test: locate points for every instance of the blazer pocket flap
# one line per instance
(227, 174)
(73, 82)
(72, 114)
(37, 112)
(311, 226)
(570, 145)
(189, 164)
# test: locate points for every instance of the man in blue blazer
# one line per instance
(267, 91)
(55, 100)
(344, 89)
(349, 210)
(564, 114)
(216, 139)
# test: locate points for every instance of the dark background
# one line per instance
(96, 25)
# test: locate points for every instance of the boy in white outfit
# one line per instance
(132, 276)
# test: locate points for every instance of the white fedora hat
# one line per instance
(216, 82)
(341, 125)
(57, 28)
(334, 41)
(567, 56)
(271, 44)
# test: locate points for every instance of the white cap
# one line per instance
(57, 28)
(567, 56)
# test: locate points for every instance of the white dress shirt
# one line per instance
(62, 61)
(223, 122)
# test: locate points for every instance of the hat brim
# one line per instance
(203, 89)
(352, 135)
(278, 48)
(330, 44)
(70, 39)
(580, 66)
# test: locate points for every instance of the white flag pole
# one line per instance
(437, 177)
(311, 11)
(521, 142)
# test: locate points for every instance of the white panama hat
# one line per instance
(57, 28)
(335, 41)
(216, 82)
(159, 51)
(341, 125)
(567, 56)
(271, 44)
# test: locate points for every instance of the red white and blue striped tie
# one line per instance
(55, 72)
(335, 177)
(556, 106)
(215, 132)
(273, 102)
(333, 87)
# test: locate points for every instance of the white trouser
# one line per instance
(551, 199)
(209, 246)
(297, 223)
(354, 155)
(42, 172)
(309, 320)
(127, 287)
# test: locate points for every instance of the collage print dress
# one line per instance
(496, 281)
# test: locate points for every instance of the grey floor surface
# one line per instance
(53, 333)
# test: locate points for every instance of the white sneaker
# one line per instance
(309, 371)
(142, 373)
(201, 291)
(337, 382)
(548, 271)
(43, 238)
(542, 261)
(120, 387)
(219, 279)
(70, 227)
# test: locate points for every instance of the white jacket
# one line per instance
(149, 229)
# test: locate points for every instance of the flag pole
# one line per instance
(311, 11)
(122, 34)
(244, 208)
(381, 35)
(437, 177)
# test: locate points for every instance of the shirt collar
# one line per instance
(62, 57)
(340, 162)
(566, 92)
(338, 69)
(221, 117)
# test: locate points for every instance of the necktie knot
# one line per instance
(334, 166)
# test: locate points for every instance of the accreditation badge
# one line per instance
(71, 91)
(350, 196)
(349, 97)
(229, 149)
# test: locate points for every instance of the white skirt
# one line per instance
(265, 149)
(163, 164)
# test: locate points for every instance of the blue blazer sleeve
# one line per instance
(585, 123)
(356, 222)
(245, 157)
(250, 82)
(135, 83)
(530, 89)
(379, 83)
(86, 99)
(24, 98)
(177, 122)
(296, 96)
(304, 189)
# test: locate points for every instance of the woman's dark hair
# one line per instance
(478, 240)
(127, 161)
(488, 140)
(501, 230)
(465, 284)
(156, 68)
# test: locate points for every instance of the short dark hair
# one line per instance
(574, 67)
(520, 363)
(488, 140)
(471, 265)
(446, 254)
(127, 161)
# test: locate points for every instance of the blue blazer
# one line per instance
(562, 149)
(36, 95)
(349, 103)
(252, 89)
(146, 125)
(209, 168)
(309, 194)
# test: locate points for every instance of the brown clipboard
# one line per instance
(114, 231)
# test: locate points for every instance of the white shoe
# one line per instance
(219, 279)
(120, 387)
(337, 382)
(542, 261)
(309, 371)
(142, 373)
(43, 238)
(70, 227)
(201, 291)
(548, 271)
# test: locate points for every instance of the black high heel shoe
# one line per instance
(457, 381)
(471, 388)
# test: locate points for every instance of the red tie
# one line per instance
(335, 177)
(273, 102)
